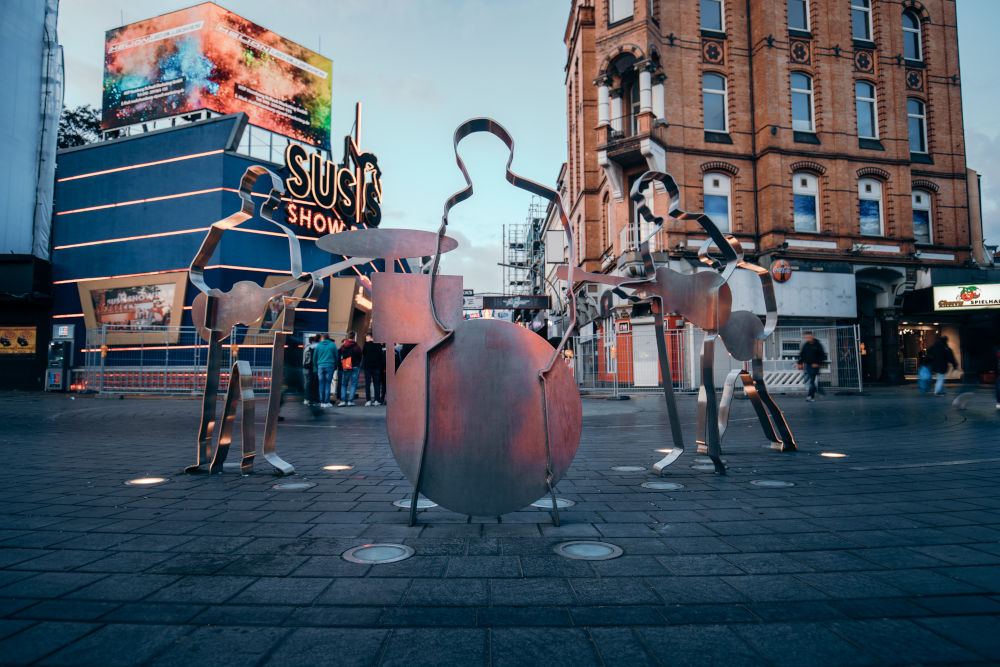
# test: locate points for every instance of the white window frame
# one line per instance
(619, 10)
(873, 100)
(925, 205)
(918, 32)
(809, 94)
(805, 6)
(609, 218)
(923, 123)
(874, 195)
(809, 189)
(722, 16)
(725, 101)
(724, 188)
(864, 6)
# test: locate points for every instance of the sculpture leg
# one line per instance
(711, 410)
(668, 391)
(206, 430)
(750, 387)
(787, 440)
(702, 429)
(240, 390)
(727, 398)
(268, 448)
(548, 454)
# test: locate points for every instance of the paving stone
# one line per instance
(233, 645)
(484, 566)
(447, 592)
(529, 592)
(124, 587)
(119, 644)
(443, 646)
(319, 646)
(901, 641)
(616, 591)
(49, 584)
(764, 563)
(492, 617)
(802, 643)
(976, 633)
(281, 590)
(202, 589)
(774, 588)
(556, 647)
(331, 617)
(41, 639)
(700, 645)
(621, 646)
(238, 614)
(364, 591)
(694, 590)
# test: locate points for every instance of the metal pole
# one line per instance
(104, 346)
(857, 354)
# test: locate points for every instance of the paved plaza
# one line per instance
(886, 556)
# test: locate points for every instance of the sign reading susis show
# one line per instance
(327, 197)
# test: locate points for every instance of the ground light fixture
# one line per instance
(146, 481)
(546, 503)
(663, 451)
(293, 486)
(588, 550)
(662, 486)
(628, 468)
(376, 554)
(422, 503)
(337, 468)
(771, 483)
(833, 455)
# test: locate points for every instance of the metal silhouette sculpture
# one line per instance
(705, 299)
(215, 313)
(482, 418)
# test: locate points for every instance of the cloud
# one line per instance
(983, 155)
(476, 263)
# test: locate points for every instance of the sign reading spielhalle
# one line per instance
(967, 297)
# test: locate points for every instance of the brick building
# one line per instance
(827, 133)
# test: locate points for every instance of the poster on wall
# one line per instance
(18, 340)
(133, 309)
(967, 297)
(205, 57)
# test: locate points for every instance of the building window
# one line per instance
(711, 15)
(911, 37)
(717, 195)
(921, 216)
(861, 19)
(805, 190)
(619, 10)
(713, 97)
(864, 97)
(798, 14)
(870, 206)
(802, 103)
(609, 220)
(916, 120)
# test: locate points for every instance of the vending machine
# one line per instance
(60, 358)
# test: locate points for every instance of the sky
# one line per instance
(421, 67)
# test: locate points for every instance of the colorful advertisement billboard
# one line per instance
(206, 57)
(130, 308)
(967, 297)
(18, 340)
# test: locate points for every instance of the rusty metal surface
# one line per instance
(385, 243)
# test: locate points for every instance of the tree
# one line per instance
(78, 126)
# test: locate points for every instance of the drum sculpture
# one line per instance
(482, 418)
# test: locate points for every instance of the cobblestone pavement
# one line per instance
(888, 555)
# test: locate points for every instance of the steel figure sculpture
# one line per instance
(481, 417)
(215, 313)
(705, 299)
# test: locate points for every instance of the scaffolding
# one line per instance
(524, 252)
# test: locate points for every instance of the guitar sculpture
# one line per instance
(482, 418)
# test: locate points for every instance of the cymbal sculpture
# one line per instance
(482, 418)
(215, 313)
(705, 299)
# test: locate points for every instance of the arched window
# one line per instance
(870, 206)
(911, 37)
(717, 196)
(805, 191)
(916, 120)
(711, 15)
(921, 216)
(864, 98)
(861, 19)
(714, 101)
(802, 103)
(798, 15)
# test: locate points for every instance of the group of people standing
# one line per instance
(329, 369)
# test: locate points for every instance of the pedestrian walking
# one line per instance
(309, 381)
(324, 360)
(812, 357)
(350, 364)
(924, 375)
(941, 357)
(373, 364)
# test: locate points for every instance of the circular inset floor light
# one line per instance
(146, 481)
(337, 468)
(376, 554)
(662, 486)
(546, 503)
(663, 451)
(628, 468)
(833, 455)
(422, 503)
(293, 486)
(588, 550)
(703, 466)
(771, 483)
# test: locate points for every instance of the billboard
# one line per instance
(967, 297)
(131, 308)
(18, 340)
(206, 57)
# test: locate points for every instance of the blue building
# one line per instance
(135, 210)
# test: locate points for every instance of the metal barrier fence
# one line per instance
(624, 360)
(168, 360)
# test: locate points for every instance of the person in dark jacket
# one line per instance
(324, 358)
(350, 363)
(941, 356)
(309, 381)
(372, 363)
(812, 356)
